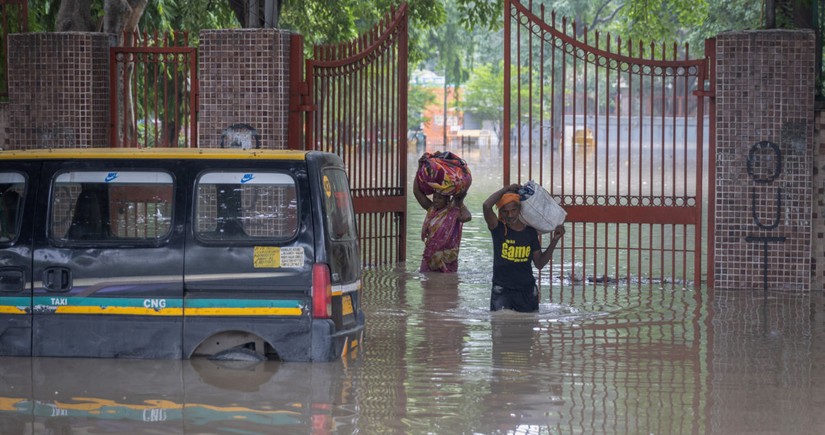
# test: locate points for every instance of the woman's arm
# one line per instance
(421, 197)
(458, 201)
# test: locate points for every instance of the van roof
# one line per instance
(151, 153)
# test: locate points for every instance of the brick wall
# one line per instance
(818, 191)
(58, 90)
(764, 96)
(244, 79)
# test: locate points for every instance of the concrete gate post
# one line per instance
(764, 160)
(58, 90)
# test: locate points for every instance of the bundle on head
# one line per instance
(443, 172)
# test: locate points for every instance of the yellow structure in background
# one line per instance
(583, 137)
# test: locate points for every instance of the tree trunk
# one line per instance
(257, 13)
(75, 16)
(122, 16)
(445, 107)
(770, 14)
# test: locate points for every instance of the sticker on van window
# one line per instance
(273, 257)
(327, 186)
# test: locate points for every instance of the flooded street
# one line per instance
(629, 359)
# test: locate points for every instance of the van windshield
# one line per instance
(338, 205)
(250, 206)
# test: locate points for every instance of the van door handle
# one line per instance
(57, 279)
(12, 279)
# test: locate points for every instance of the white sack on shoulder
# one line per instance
(541, 211)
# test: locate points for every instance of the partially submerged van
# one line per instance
(178, 253)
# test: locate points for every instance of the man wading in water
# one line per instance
(514, 245)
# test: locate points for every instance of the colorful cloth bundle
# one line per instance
(443, 172)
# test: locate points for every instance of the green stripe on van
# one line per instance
(159, 306)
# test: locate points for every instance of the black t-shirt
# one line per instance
(513, 257)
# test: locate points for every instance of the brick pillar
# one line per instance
(818, 192)
(243, 79)
(764, 153)
(58, 90)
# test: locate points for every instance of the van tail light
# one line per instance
(321, 292)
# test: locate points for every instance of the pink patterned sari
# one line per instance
(441, 234)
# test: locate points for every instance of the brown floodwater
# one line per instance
(628, 358)
(619, 360)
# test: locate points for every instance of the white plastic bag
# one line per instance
(541, 211)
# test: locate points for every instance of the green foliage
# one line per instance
(485, 14)
(171, 15)
(484, 92)
(42, 15)
(659, 20)
(323, 22)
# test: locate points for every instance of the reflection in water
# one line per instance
(60, 395)
(435, 360)
(594, 359)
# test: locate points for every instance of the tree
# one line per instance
(484, 95)
(418, 98)
(118, 15)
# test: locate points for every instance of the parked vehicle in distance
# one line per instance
(178, 253)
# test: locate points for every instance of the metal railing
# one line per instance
(154, 88)
(615, 130)
(355, 100)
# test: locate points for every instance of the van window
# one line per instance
(250, 206)
(111, 206)
(12, 191)
(338, 205)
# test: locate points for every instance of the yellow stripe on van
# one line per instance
(153, 153)
(258, 311)
(8, 309)
(134, 311)
(213, 311)
(12, 403)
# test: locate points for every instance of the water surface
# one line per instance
(627, 358)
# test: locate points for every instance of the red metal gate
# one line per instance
(355, 97)
(614, 130)
(154, 81)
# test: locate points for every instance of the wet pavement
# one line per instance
(629, 359)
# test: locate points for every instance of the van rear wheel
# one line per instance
(235, 346)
